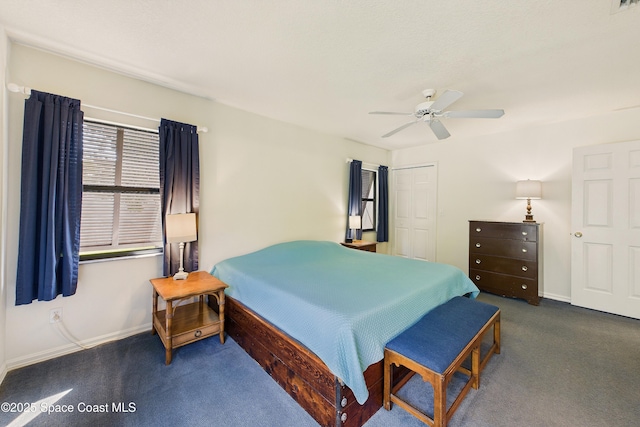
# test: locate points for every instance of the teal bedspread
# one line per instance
(342, 304)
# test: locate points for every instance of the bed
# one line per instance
(316, 316)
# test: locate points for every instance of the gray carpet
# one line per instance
(560, 366)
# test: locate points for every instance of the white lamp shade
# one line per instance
(528, 189)
(181, 228)
(355, 222)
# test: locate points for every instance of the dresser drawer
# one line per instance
(505, 285)
(515, 231)
(503, 247)
(514, 267)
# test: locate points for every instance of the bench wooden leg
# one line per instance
(475, 368)
(496, 334)
(495, 347)
(440, 402)
(386, 392)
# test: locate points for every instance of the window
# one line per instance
(368, 200)
(121, 192)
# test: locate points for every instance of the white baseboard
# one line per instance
(3, 372)
(561, 298)
(30, 359)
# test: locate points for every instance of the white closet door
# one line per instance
(414, 212)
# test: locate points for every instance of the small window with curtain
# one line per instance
(121, 192)
(368, 200)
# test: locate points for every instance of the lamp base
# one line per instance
(529, 216)
(180, 275)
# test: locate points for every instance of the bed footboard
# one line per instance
(300, 372)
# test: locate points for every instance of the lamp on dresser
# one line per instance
(181, 228)
(528, 190)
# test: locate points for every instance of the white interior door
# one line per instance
(605, 259)
(414, 213)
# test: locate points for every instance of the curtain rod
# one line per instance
(373, 165)
(12, 87)
(423, 165)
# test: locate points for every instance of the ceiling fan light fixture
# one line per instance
(423, 108)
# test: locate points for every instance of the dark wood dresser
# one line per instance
(504, 258)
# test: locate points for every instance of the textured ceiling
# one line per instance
(324, 64)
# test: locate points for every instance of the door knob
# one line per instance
(577, 234)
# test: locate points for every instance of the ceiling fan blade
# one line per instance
(447, 98)
(439, 129)
(399, 129)
(391, 112)
(474, 114)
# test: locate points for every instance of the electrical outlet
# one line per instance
(55, 315)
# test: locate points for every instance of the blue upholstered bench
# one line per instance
(435, 347)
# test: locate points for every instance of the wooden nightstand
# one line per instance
(362, 245)
(179, 325)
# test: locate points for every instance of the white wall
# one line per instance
(3, 169)
(262, 182)
(477, 181)
(268, 182)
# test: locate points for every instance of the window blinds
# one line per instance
(121, 200)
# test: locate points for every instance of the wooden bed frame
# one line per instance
(301, 373)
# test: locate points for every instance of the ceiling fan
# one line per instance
(432, 111)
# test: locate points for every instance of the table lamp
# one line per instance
(355, 223)
(528, 190)
(181, 228)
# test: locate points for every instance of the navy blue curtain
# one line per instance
(354, 206)
(179, 186)
(383, 204)
(50, 198)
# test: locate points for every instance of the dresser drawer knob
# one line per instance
(477, 277)
(478, 230)
(524, 250)
(478, 261)
(524, 233)
(524, 287)
(524, 268)
(478, 245)
(343, 402)
(343, 417)
(198, 333)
